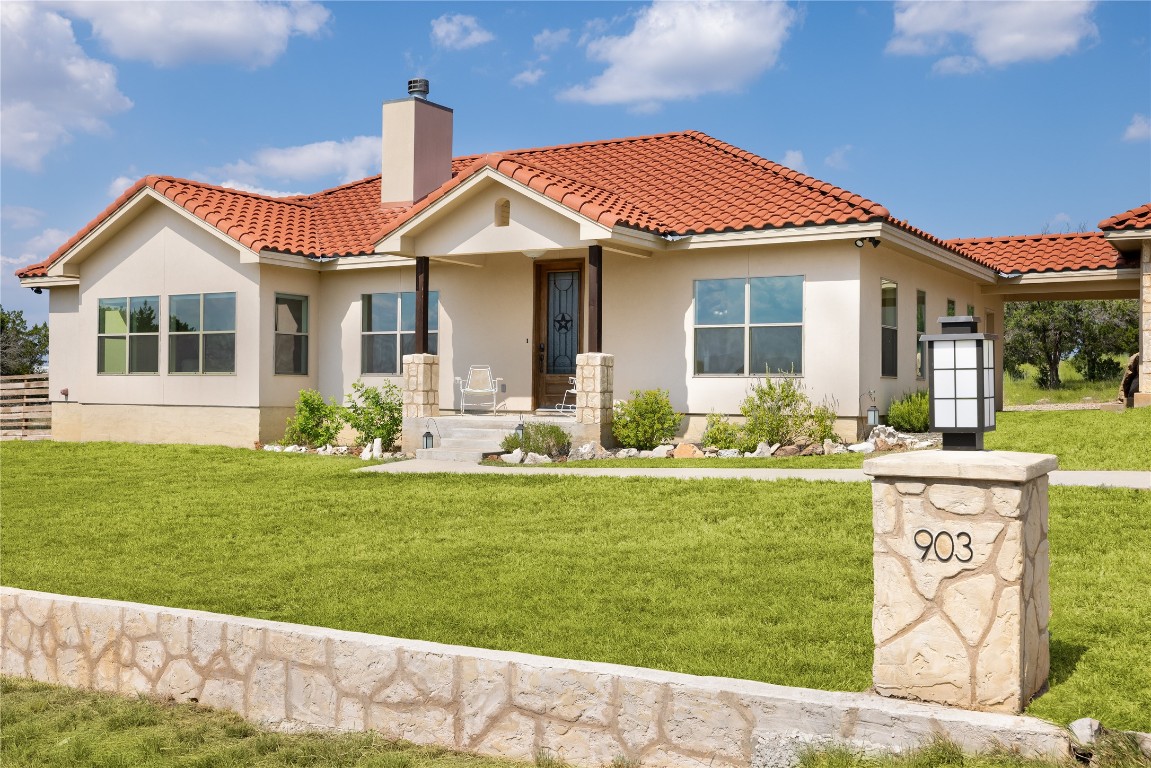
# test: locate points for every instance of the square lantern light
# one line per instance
(961, 383)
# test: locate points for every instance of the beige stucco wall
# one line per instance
(910, 275)
(197, 425)
(159, 253)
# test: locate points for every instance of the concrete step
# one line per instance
(448, 454)
(469, 444)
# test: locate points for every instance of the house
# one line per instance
(187, 312)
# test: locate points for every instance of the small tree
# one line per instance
(22, 349)
(375, 412)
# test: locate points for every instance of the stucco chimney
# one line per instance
(417, 147)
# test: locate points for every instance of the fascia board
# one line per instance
(49, 282)
(283, 260)
(125, 213)
(375, 261)
(1067, 280)
(1128, 234)
(894, 236)
(775, 236)
(400, 240)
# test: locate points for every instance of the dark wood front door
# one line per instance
(558, 329)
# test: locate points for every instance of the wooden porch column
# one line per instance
(594, 298)
(422, 268)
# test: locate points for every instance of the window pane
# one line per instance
(184, 353)
(379, 353)
(113, 316)
(408, 344)
(890, 316)
(291, 314)
(920, 311)
(890, 366)
(144, 354)
(719, 302)
(219, 353)
(408, 311)
(145, 314)
(112, 354)
(971, 310)
(776, 349)
(291, 354)
(219, 311)
(380, 312)
(951, 307)
(184, 312)
(719, 350)
(776, 300)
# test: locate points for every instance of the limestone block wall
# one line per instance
(1143, 396)
(961, 577)
(595, 392)
(293, 677)
(421, 387)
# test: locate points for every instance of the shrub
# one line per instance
(909, 413)
(1097, 367)
(375, 412)
(646, 420)
(547, 439)
(723, 434)
(779, 411)
(316, 423)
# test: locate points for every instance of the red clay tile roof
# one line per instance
(669, 184)
(1043, 253)
(1136, 218)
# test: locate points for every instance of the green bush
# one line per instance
(646, 420)
(909, 413)
(546, 439)
(316, 423)
(723, 434)
(779, 411)
(375, 412)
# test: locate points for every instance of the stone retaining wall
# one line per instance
(513, 705)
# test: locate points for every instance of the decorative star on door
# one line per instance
(562, 322)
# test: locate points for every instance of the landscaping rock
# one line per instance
(515, 457)
(378, 448)
(814, 449)
(627, 453)
(341, 450)
(537, 458)
(786, 450)
(762, 451)
(729, 453)
(273, 448)
(366, 454)
(1085, 730)
(644, 455)
(861, 448)
(687, 451)
(587, 451)
(662, 451)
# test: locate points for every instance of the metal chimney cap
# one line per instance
(419, 87)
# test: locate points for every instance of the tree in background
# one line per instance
(22, 349)
(1044, 333)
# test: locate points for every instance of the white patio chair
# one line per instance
(479, 384)
(564, 405)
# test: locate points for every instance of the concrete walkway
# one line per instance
(1140, 480)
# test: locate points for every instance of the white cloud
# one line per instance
(550, 39)
(119, 184)
(49, 88)
(1139, 129)
(458, 31)
(348, 160)
(679, 50)
(20, 216)
(256, 189)
(793, 158)
(166, 34)
(838, 157)
(529, 76)
(38, 248)
(990, 33)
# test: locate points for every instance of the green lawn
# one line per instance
(1073, 390)
(765, 581)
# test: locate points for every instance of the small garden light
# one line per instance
(872, 416)
(520, 433)
(961, 383)
(429, 441)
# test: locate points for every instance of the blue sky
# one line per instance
(966, 118)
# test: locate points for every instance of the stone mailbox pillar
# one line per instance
(961, 564)
(594, 395)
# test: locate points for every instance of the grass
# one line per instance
(763, 581)
(46, 726)
(1074, 388)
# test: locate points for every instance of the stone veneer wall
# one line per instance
(421, 390)
(1143, 396)
(293, 677)
(961, 620)
(595, 388)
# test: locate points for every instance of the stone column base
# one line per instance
(594, 397)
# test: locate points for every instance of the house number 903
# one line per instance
(944, 545)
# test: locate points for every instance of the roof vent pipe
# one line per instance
(419, 87)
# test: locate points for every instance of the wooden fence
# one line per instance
(25, 412)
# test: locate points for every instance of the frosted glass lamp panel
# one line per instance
(988, 354)
(967, 413)
(967, 383)
(944, 354)
(989, 384)
(965, 354)
(943, 383)
(989, 413)
(944, 413)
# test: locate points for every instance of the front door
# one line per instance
(559, 336)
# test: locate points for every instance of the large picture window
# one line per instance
(388, 329)
(889, 329)
(128, 335)
(749, 325)
(920, 329)
(202, 333)
(291, 343)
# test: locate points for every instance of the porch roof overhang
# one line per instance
(1067, 285)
